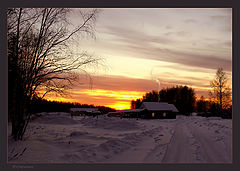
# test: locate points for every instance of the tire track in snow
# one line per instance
(181, 148)
(161, 139)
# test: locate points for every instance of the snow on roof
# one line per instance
(84, 109)
(174, 109)
(158, 106)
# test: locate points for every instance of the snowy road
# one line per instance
(58, 138)
(190, 143)
(179, 150)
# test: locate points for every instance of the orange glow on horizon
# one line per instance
(119, 95)
(117, 100)
(59, 99)
(120, 105)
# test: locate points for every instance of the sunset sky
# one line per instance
(150, 49)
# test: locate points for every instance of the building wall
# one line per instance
(146, 114)
(159, 115)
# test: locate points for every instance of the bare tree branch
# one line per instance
(221, 92)
(39, 41)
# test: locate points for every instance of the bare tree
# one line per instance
(40, 56)
(221, 92)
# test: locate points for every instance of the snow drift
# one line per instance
(60, 138)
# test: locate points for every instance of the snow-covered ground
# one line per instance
(58, 138)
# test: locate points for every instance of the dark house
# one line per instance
(148, 110)
(158, 110)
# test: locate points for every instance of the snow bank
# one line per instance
(55, 118)
(60, 138)
(112, 123)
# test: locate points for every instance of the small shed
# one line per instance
(129, 113)
(132, 113)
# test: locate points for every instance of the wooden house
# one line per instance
(160, 110)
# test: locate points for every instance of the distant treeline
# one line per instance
(41, 105)
(184, 98)
(210, 108)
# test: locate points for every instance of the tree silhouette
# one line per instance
(202, 105)
(136, 104)
(40, 58)
(182, 97)
(221, 92)
(152, 96)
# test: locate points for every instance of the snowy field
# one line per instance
(58, 138)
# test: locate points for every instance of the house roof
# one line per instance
(155, 106)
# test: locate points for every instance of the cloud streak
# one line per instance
(119, 83)
(161, 48)
(186, 46)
